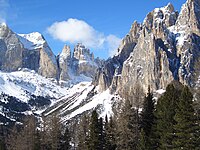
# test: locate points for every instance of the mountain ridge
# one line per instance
(165, 47)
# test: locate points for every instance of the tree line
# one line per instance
(170, 122)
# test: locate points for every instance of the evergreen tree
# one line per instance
(142, 141)
(94, 132)
(147, 120)
(163, 130)
(110, 132)
(127, 128)
(65, 140)
(83, 133)
(55, 129)
(186, 129)
(101, 134)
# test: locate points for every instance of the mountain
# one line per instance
(26, 51)
(33, 77)
(81, 62)
(165, 47)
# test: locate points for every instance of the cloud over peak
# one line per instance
(74, 31)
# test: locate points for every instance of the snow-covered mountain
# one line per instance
(165, 47)
(39, 95)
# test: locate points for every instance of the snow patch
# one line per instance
(32, 41)
(160, 91)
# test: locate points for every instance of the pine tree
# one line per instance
(147, 120)
(65, 140)
(110, 132)
(83, 133)
(186, 129)
(94, 132)
(127, 128)
(55, 129)
(101, 134)
(142, 141)
(163, 130)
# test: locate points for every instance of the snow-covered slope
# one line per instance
(32, 40)
(80, 98)
(21, 84)
(68, 101)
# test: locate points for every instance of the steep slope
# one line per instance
(163, 48)
(80, 63)
(26, 51)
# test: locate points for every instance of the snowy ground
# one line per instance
(69, 101)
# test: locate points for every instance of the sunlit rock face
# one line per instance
(26, 51)
(165, 47)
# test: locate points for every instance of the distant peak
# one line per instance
(3, 24)
(66, 49)
(170, 7)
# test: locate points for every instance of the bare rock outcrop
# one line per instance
(26, 51)
(162, 49)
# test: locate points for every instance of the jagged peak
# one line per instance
(66, 49)
(32, 40)
(165, 15)
(66, 52)
(3, 24)
(189, 17)
(4, 30)
(169, 8)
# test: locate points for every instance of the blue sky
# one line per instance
(106, 21)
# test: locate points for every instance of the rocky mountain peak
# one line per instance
(3, 30)
(66, 52)
(189, 18)
(160, 19)
(134, 29)
(82, 53)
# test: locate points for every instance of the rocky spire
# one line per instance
(160, 19)
(81, 52)
(66, 53)
(64, 60)
(4, 30)
(189, 18)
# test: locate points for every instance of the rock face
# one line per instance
(26, 51)
(64, 62)
(32, 51)
(11, 49)
(82, 62)
(165, 47)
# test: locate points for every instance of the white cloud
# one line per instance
(4, 4)
(74, 31)
(113, 44)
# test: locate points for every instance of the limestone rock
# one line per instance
(64, 62)
(113, 66)
(165, 47)
(83, 61)
(26, 51)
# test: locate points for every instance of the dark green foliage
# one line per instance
(164, 123)
(127, 128)
(146, 120)
(101, 134)
(83, 133)
(39, 101)
(143, 141)
(11, 103)
(65, 140)
(186, 127)
(110, 133)
(94, 132)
